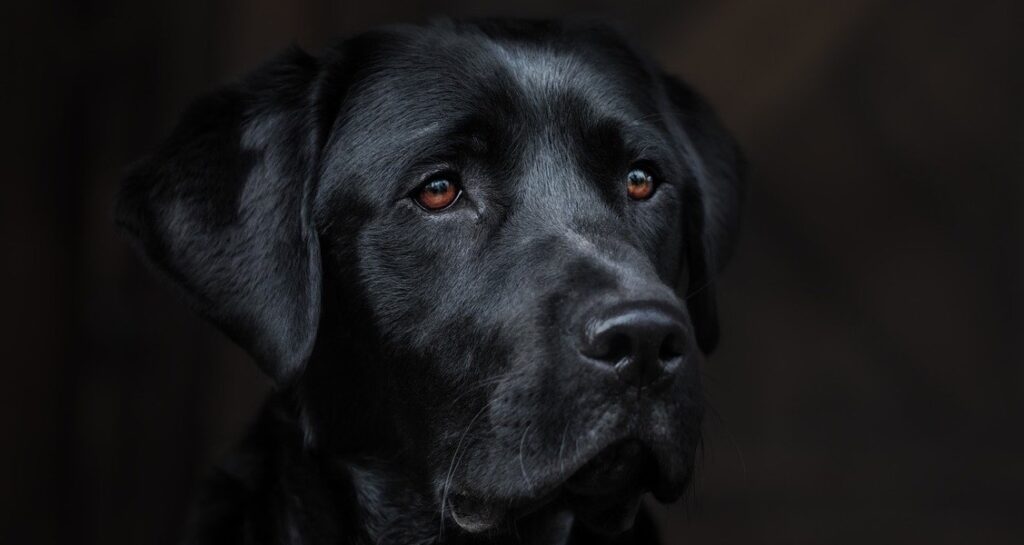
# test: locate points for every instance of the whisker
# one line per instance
(485, 382)
(561, 449)
(698, 290)
(729, 435)
(522, 465)
(456, 459)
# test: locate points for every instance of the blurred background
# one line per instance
(869, 387)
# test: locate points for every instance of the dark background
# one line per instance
(870, 382)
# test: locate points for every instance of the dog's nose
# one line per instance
(642, 343)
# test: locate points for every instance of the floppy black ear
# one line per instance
(712, 203)
(224, 210)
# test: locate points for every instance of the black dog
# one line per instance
(477, 259)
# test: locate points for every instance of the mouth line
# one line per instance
(625, 468)
(623, 464)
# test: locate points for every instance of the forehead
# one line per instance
(436, 76)
(440, 81)
(452, 68)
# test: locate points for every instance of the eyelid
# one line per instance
(446, 173)
(449, 175)
(419, 199)
(422, 172)
(648, 165)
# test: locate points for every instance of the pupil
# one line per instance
(439, 186)
(637, 177)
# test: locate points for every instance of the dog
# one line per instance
(477, 259)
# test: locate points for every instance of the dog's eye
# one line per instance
(639, 184)
(438, 193)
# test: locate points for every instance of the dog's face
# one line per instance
(507, 231)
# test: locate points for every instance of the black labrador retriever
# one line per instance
(477, 259)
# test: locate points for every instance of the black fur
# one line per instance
(432, 387)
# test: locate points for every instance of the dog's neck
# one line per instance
(280, 487)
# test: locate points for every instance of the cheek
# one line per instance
(659, 233)
(669, 251)
(415, 276)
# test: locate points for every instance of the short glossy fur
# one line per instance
(431, 387)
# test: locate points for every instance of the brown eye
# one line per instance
(438, 194)
(639, 184)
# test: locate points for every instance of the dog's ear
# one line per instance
(712, 202)
(223, 209)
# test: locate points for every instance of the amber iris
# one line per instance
(639, 184)
(437, 194)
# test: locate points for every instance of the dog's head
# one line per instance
(492, 244)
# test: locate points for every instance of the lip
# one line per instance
(604, 491)
(617, 467)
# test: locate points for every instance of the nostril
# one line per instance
(620, 347)
(670, 348)
(609, 345)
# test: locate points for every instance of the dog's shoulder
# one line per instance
(270, 489)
